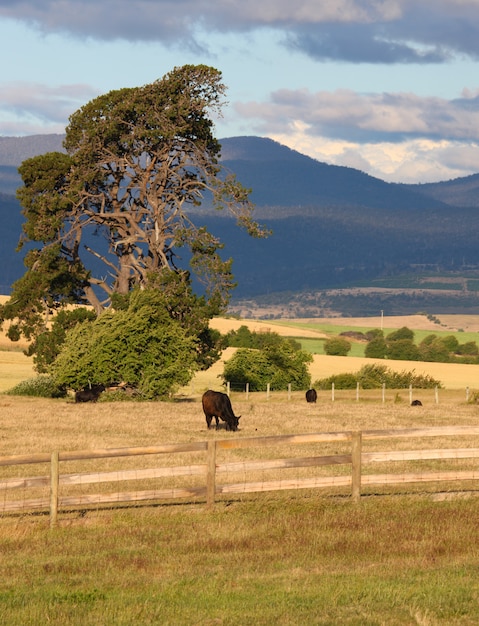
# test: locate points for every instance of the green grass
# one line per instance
(286, 560)
(316, 346)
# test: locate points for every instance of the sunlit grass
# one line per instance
(285, 560)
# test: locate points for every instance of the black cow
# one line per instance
(218, 405)
(416, 403)
(311, 395)
(89, 394)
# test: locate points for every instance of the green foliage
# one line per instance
(375, 375)
(337, 346)
(245, 338)
(141, 346)
(377, 347)
(399, 345)
(47, 345)
(434, 349)
(451, 343)
(402, 350)
(468, 349)
(139, 161)
(400, 334)
(278, 364)
(340, 381)
(42, 386)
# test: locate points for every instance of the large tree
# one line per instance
(138, 162)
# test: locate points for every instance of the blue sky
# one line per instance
(390, 87)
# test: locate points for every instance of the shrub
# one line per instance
(375, 375)
(376, 348)
(401, 333)
(402, 350)
(141, 346)
(469, 348)
(434, 349)
(279, 365)
(337, 346)
(341, 381)
(47, 345)
(41, 386)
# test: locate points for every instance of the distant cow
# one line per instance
(416, 403)
(89, 394)
(218, 405)
(311, 395)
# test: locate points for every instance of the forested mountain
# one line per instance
(332, 226)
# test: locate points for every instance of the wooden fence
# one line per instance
(210, 470)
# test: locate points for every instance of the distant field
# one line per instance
(15, 366)
(452, 376)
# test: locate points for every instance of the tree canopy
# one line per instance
(278, 363)
(138, 162)
(140, 345)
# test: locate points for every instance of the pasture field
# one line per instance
(306, 557)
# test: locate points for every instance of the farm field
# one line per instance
(15, 367)
(398, 556)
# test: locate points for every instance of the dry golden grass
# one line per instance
(31, 426)
(40, 425)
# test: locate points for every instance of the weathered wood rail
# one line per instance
(211, 470)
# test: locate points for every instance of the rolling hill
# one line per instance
(333, 228)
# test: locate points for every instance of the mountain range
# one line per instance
(332, 227)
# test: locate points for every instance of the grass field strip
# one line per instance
(259, 472)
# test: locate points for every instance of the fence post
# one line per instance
(357, 392)
(211, 473)
(267, 390)
(332, 392)
(356, 445)
(289, 391)
(410, 394)
(228, 388)
(436, 395)
(54, 479)
(467, 394)
(384, 392)
(247, 390)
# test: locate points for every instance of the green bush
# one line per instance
(401, 333)
(337, 346)
(341, 381)
(41, 386)
(402, 350)
(376, 348)
(47, 345)
(245, 338)
(278, 364)
(375, 375)
(467, 349)
(434, 349)
(141, 346)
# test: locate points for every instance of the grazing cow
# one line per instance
(218, 405)
(311, 395)
(416, 403)
(89, 394)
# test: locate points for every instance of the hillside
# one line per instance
(334, 228)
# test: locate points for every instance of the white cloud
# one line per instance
(381, 31)
(30, 108)
(413, 161)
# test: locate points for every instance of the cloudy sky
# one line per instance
(390, 87)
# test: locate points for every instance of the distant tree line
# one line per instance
(400, 345)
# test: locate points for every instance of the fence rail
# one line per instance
(210, 470)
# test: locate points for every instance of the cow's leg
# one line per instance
(217, 422)
(208, 420)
